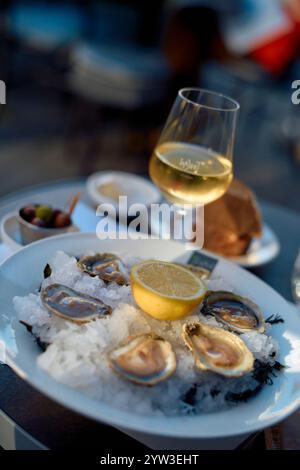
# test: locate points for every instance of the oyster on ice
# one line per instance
(217, 350)
(107, 266)
(72, 305)
(239, 314)
(145, 359)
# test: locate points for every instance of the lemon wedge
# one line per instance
(165, 291)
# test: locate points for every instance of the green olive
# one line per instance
(44, 212)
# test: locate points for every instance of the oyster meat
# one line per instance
(72, 305)
(217, 350)
(239, 314)
(146, 359)
(107, 266)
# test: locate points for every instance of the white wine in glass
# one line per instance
(192, 162)
(188, 173)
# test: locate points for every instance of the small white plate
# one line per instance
(84, 220)
(10, 232)
(136, 188)
(21, 274)
(261, 251)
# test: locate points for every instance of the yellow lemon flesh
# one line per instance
(166, 291)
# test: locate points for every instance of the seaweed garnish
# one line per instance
(263, 373)
(47, 271)
(190, 396)
(243, 396)
(27, 326)
(42, 344)
(278, 366)
(214, 392)
(274, 319)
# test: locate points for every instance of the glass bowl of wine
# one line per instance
(192, 161)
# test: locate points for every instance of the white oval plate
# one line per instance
(22, 273)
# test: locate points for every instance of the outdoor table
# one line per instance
(29, 420)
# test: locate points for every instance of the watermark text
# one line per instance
(296, 94)
(2, 92)
(157, 221)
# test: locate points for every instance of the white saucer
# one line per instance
(10, 232)
(136, 188)
(261, 251)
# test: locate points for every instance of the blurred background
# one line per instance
(90, 84)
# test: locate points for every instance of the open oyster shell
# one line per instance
(217, 350)
(72, 305)
(239, 314)
(107, 266)
(145, 359)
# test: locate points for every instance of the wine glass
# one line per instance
(192, 161)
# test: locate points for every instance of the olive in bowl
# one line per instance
(39, 221)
